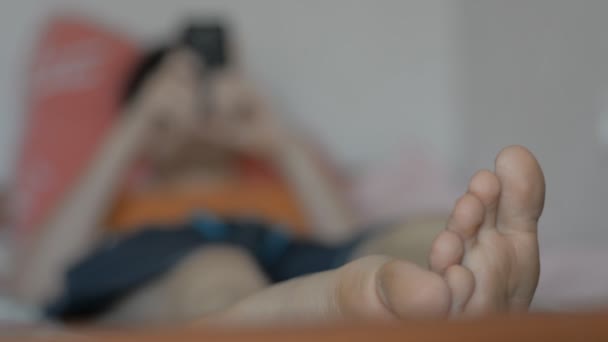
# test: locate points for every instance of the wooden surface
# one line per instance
(533, 328)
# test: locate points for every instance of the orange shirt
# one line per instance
(260, 192)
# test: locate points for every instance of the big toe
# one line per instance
(378, 287)
(410, 291)
(523, 188)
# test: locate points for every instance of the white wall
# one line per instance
(536, 73)
(366, 75)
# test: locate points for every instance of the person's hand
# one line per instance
(240, 118)
(166, 106)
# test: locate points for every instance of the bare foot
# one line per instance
(485, 261)
(374, 287)
(489, 252)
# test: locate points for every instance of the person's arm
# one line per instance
(322, 199)
(73, 227)
(254, 128)
(166, 100)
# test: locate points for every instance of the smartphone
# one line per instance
(209, 41)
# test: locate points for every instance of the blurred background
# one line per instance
(430, 89)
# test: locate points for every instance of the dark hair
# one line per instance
(143, 70)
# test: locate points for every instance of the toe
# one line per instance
(377, 287)
(461, 282)
(523, 184)
(447, 250)
(467, 217)
(410, 291)
(486, 187)
(358, 293)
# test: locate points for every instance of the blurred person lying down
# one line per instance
(216, 265)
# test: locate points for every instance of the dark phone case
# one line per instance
(209, 41)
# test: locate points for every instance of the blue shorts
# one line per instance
(123, 265)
